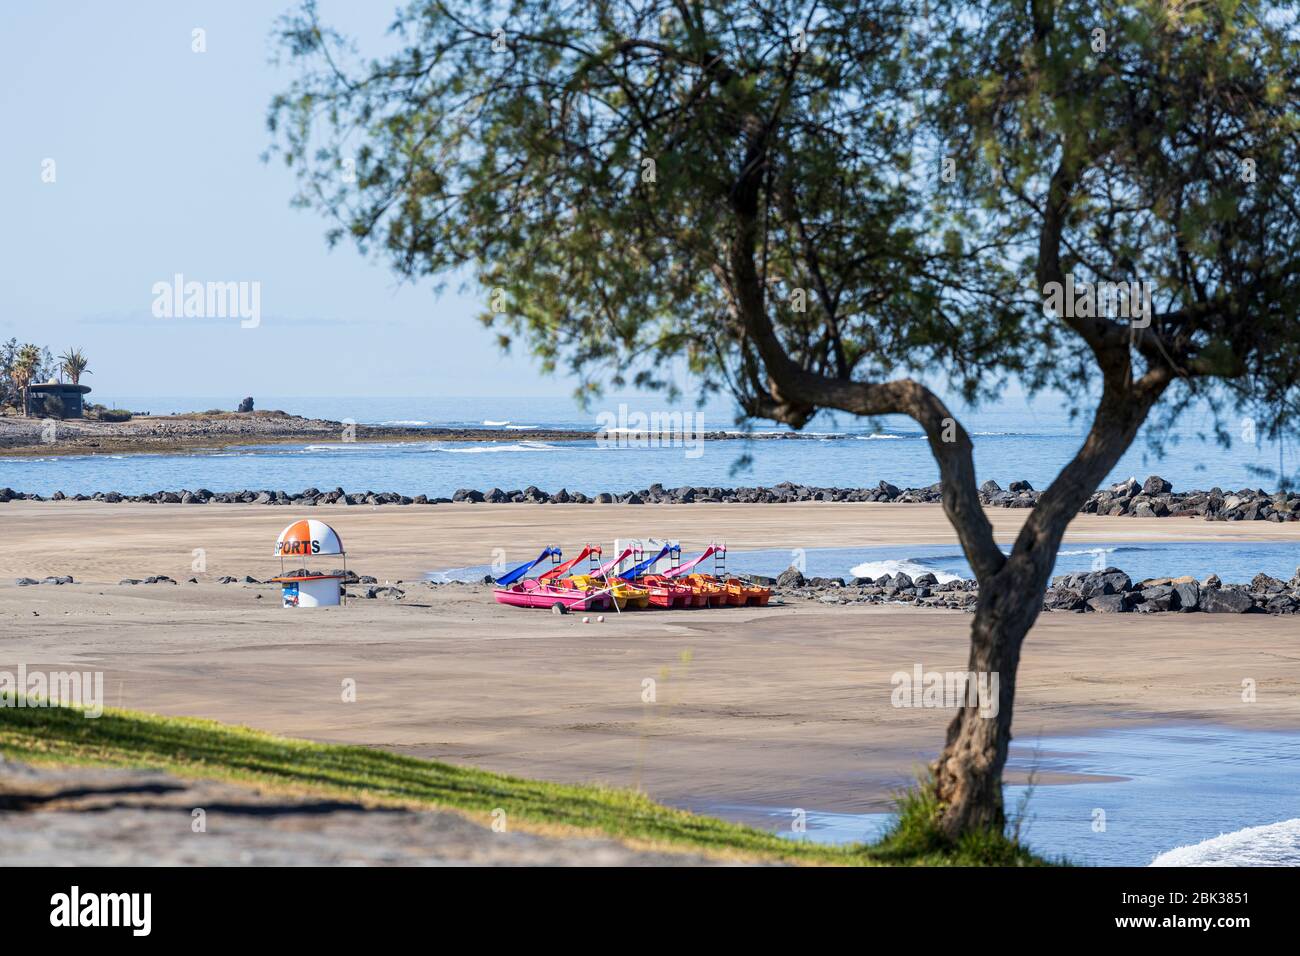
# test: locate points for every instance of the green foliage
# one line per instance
(21, 365)
(507, 144)
(1170, 134)
(73, 364)
(915, 834)
(585, 173)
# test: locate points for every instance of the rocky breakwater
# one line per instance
(1109, 591)
(1154, 498)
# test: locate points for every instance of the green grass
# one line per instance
(207, 749)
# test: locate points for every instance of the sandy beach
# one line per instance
(787, 706)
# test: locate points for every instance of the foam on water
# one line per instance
(491, 449)
(1277, 844)
(878, 569)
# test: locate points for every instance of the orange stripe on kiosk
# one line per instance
(300, 542)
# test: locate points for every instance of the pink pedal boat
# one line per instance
(533, 593)
(516, 590)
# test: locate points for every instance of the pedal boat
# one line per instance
(738, 593)
(533, 593)
(748, 595)
(717, 593)
(626, 595)
(669, 593)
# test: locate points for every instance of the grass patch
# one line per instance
(206, 749)
(915, 835)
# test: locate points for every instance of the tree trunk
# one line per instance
(968, 772)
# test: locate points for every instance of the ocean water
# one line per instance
(1232, 561)
(1182, 786)
(1013, 441)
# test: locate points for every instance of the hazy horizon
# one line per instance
(156, 172)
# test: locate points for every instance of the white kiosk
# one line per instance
(306, 539)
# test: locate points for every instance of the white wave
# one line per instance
(520, 428)
(404, 421)
(355, 446)
(494, 424)
(878, 569)
(1276, 844)
(485, 449)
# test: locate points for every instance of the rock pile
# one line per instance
(1109, 591)
(1154, 498)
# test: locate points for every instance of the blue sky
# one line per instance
(157, 172)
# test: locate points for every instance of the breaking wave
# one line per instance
(1276, 844)
(488, 449)
(878, 569)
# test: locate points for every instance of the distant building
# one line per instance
(56, 399)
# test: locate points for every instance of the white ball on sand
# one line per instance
(601, 619)
(586, 620)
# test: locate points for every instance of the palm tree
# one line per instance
(74, 365)
(29, 359)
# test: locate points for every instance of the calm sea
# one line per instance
(1013, 441)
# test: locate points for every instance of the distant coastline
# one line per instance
(439, 446)
(192, 432)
